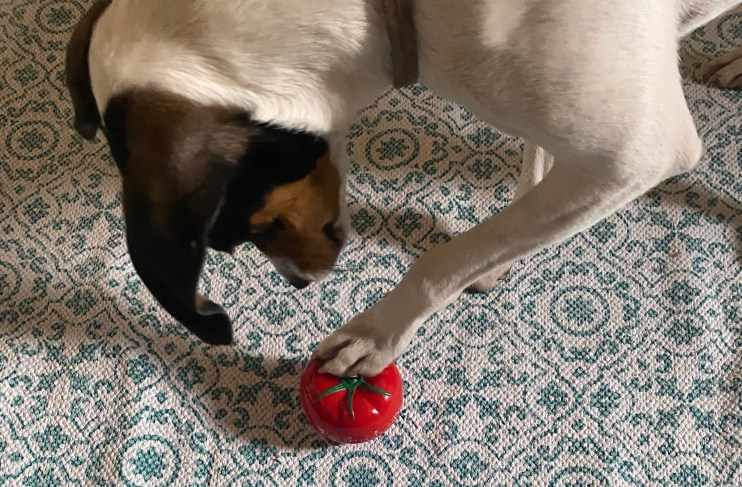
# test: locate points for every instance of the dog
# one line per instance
(227, 120)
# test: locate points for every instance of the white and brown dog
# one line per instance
(227, 119)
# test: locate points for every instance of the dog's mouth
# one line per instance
(298, 279)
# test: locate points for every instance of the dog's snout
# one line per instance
(298, 282)
(335, 233)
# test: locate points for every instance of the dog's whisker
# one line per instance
(345, 269)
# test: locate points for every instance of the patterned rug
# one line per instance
(613, 359)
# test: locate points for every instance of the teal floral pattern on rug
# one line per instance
(612, 359)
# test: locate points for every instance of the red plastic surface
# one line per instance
(373, 412)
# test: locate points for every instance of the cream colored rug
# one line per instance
(613, 359)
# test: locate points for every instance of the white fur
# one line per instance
(305, 65)
(593, 86)
(500, 19)
(536, 165)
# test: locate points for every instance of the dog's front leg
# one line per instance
(340, 158)
(536, 165)
(571, 198)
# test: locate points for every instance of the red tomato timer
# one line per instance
(350, 409)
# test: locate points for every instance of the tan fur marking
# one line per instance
(304, 207)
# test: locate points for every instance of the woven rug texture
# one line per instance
(612, 359)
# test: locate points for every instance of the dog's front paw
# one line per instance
(363, 346)
(726, 71)
(490, 281)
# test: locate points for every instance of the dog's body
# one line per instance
(594, 88)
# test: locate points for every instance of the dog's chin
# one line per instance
(296, 277)
(302, 280)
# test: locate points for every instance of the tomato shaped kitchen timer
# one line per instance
(350, 409)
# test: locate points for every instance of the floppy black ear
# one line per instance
(87, 119)
(167, 248)
(176, 160)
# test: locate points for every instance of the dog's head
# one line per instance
(198, 176)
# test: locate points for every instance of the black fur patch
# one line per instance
(274, 157)
(115, 130)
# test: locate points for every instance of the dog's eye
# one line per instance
(267, 230)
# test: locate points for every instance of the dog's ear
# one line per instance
(176, 159)
(87, 118)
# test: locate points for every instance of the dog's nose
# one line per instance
(335, 233)
(298, 282)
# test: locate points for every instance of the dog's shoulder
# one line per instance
(294, 64)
